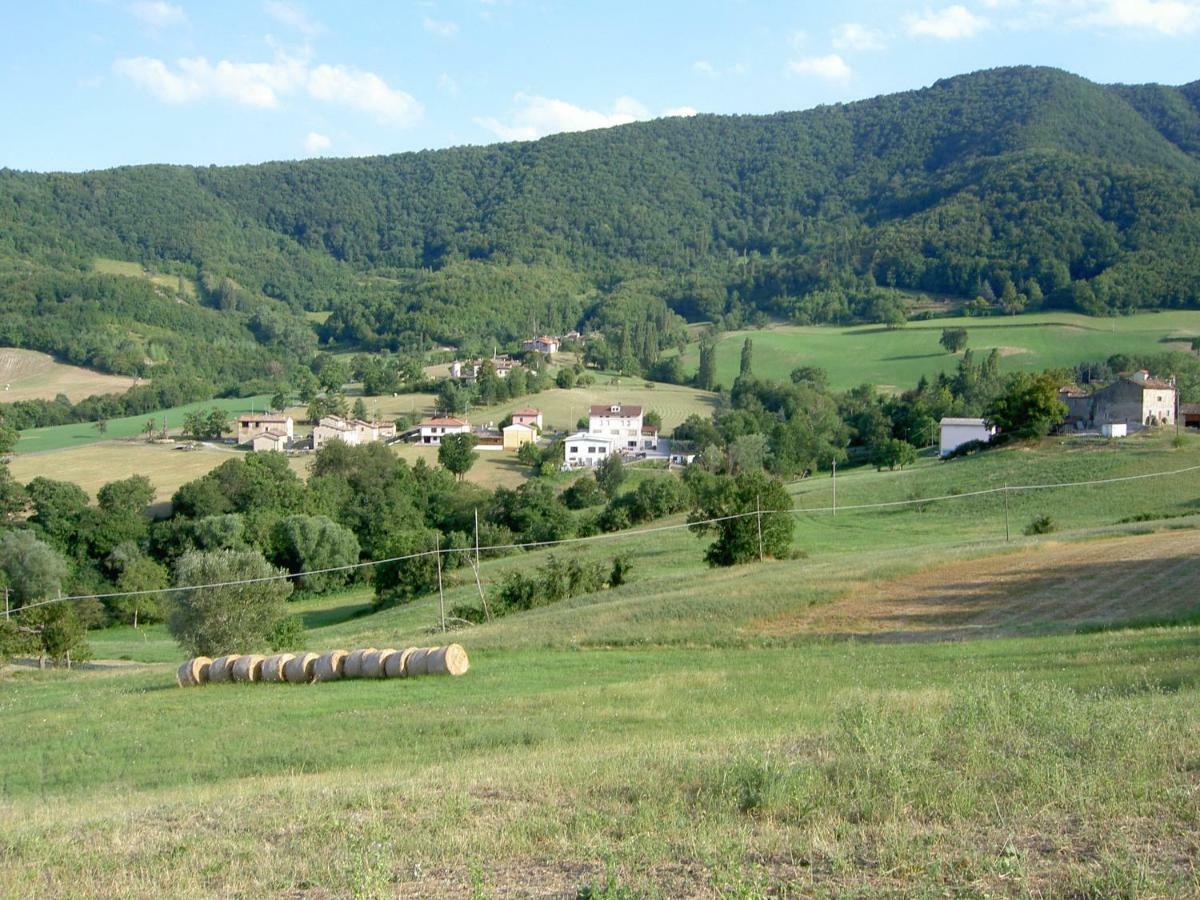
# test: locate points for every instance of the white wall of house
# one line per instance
(432, 432)
(586, 450)
(956, 432)
(623, 424)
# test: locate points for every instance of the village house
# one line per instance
(267, 441)
(471, 369)
(583, 450)
(543, 344)
(1137, 401)
(518, 434)
(431, 431)
(958, 431)
(350, 431)
(528, 416)
(252, 425)
(624, 425)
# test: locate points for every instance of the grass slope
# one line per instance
(28, 375)
(897, 359)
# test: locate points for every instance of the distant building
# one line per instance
(350, 431)
(517, 434)
(431, 431)
(624, 425)
(528, 416)
(582, 450)
(543, 344)
(1138, 401)
(270, 440)
(1114, 430)
(249, 426)
(471, 369)
(1189, 415)
(1078, 403)
(958, 431)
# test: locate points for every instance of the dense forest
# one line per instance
(1028, 188)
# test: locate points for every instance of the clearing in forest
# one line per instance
(29, 375)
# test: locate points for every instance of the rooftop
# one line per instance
(950, 420)
(447, 421)
(607, 409)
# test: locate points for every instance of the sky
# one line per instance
(88, 84)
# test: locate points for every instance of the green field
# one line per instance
(175, 283)
(694, 732)
(897, 359)
(61, 437)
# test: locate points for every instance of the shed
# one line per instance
(517, 434)
(958, 431)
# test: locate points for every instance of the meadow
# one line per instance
(896, 360)
(28, 375)
(175, 283)
(773, 729)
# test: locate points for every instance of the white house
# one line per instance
(433, 430)
(582, 450)
(543, 344)
(956, 432)
(249, 426)
(624, 425)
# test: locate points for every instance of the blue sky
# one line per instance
(96, 83)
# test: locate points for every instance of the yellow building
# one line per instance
(516, 434)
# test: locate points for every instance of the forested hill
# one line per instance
(1032, 185)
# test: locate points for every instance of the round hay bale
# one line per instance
(299, 669)
(329, 666)
(272, 667)
(194, 672)
(221, 669)
(354, 662)
(247, 668)
(372, 663)
(415, 664)
(393, 663)
(450, 660)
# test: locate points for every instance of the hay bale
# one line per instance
(354, 663)
(330, 666)
(393, 663)
(247, 668)
(451, 660)
(221, 669)
(272, 667)
(372, 663)
(415, 664)
(299, 669)
(194, 672)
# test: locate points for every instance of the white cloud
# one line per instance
(315, 142)
(1169, 17)
(684, 112)
(447, 85)
(262, 85)
(704, 67)
(441, 29)
(158, 13)
(293, 17)
(537, 117)
(829, 68)
(855, 36)
(948, 24)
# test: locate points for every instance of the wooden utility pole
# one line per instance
(758, 509)
(482, 599)
(437, 551)
(6, 601)
(1007, 536)
(835, 487)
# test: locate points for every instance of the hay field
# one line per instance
(29, 375)
(175, 283)
(493, 469)
(897, 359)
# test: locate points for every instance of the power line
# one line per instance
(614, 535)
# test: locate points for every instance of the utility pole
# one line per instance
(835, 487)
(482, 599)
(6, 601)
(1007, 537)
(437, 545)
(758, 508)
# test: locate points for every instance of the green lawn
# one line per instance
(898, 359)
(59, 437)
(669, 737)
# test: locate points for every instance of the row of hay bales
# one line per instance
(302, 668)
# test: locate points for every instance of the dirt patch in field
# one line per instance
(1050, 587)
(1011, 351)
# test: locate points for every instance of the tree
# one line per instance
(216, 422)
(953, 339)
(742, 504)
(706, 376)
(360, 410)
(13, 499)
(279, 401)
(748, 452)
(210, 620)
(565, 379)
(456, 454)
(101, 425)
(451, 399)
(8, 438)
(309, 543)
(610, 474)
(149, 428)
(138, 574)
(1010, 301)
(34, 571)
(744, 368)
(893, 453)
(1027, 407)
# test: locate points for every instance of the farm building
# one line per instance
(1138, 401)
(431, 431)
(587, 450)
(471, 369)
(1078, 403)
(350, 431)
(269, 440)
(543, 344)
(528, 416)
(1189, 415)
(517, 434)
(249, 426)
(956, 432)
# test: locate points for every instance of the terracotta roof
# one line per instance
(250, 417)
(529, 411)
(277, 435)
(1072, 390)
(445, 420)
(649, 429)
(1156, 384)
(605, 409)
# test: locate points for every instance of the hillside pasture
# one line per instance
(29, 375)
(897, 359)
(175, 283)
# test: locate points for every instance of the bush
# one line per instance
(582, 493)
(1041, 525)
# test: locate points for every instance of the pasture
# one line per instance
(175, 283)
(29, 375)
(897, 359)
(914, 704)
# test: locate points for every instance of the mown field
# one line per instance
(28, 375)
(174, 283)
(694, 732)
(897, 359)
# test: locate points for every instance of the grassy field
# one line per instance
(898, 359)
(695, 732)
(28, 375)
(80, 434)
(175, 283)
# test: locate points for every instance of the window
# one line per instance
(574, 449)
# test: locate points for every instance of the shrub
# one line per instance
(1041, 525)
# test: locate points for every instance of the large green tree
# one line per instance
(456, 453)
(750, 515)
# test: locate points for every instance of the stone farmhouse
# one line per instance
(1136, 401)
(276, 431)
(350, 431)
(543, 344)
(470, 370)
